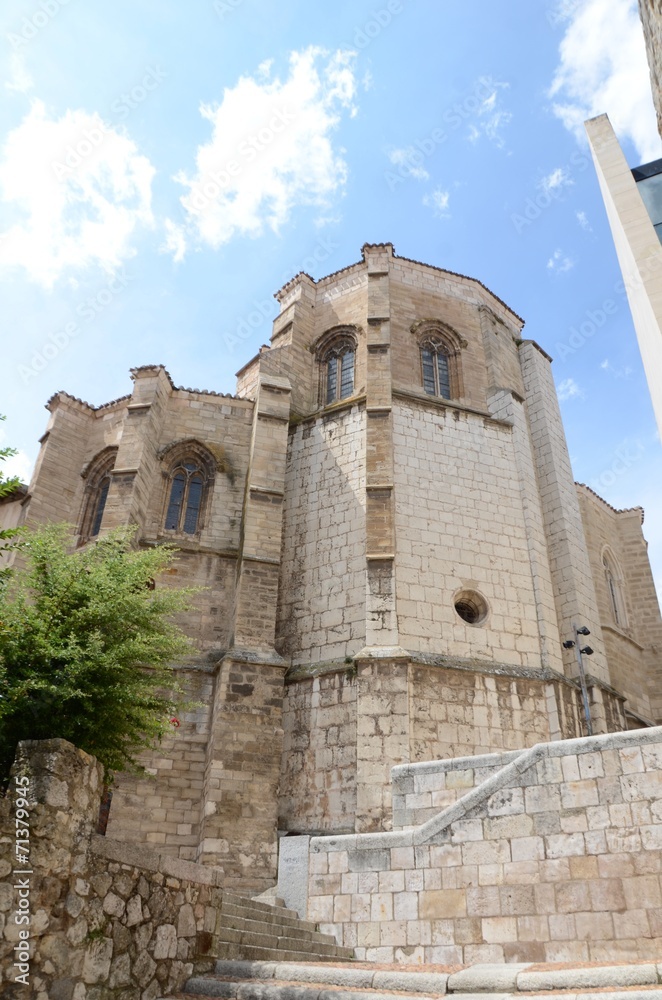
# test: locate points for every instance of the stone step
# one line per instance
(284, 918)
(259, 905)
(277, 943)
(274, 927)
(256, 990)
(252, 953)
(294, 980)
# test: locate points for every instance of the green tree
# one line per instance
(7, 486)
(86, 647)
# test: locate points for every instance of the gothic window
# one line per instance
(102, 496)
(189, 476)
(185, 499)
(97, 474)
(336, 356)
(439, 349)
(614, 581)
(436, 369)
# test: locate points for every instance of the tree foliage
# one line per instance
(86, 647)
(7, 486)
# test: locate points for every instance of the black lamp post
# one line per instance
(585, 651)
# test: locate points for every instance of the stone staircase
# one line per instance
(369, 981)
(251, 930)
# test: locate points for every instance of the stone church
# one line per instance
(393, 552)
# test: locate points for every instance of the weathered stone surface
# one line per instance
(293, 873)
(486, 978)
(482, 889)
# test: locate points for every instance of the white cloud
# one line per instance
(438, 201)
(559, 263)
(409, 159)
(19, 80)
(491, 117)
(569, 388)
(19, 465)
(624, 372)
(271, 149)
(582, 219)
(175, 241)
(556, 181)
(603, 69)
(76, 190)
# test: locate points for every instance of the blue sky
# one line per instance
(165, 168)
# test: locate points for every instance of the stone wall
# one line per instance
(318, 771)
(162, 807)
(321, 612)
(422, 791)
(101, 920)
(555, 857)
(348, 725)
(630, 617)
(460, 526)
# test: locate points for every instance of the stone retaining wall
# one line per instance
(421, 791)
(555, 857)
(90, 918)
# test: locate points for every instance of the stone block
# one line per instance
(293, 862)
(499, 930)
(381, 906)
(580, 979)
(486, 978)
(405, 906)
(442, 904)
(565, 845)
(527, 848)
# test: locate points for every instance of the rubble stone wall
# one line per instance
(83, 917)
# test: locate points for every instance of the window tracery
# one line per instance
(439, 350)
(97, 476)
(189, 477)
(336, 356)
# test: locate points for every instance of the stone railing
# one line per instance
(82, 916)
(555, 857)
(421, 791)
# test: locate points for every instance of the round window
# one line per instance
(471, 607)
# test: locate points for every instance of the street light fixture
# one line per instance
(582, 651)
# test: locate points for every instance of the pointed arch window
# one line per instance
(97, 475)
(340, 373)
(189, 478)
(100, 506)
(614, 581)
(439, 349)
(185, 501)
(436, 369)
(336, 358)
